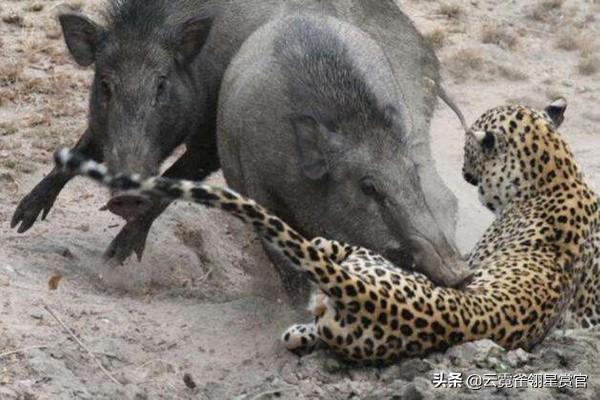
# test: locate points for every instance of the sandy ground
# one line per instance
(204, 301)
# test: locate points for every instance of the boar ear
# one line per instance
(556, 111)
(81, 36)
(191, 37)
(309, 138)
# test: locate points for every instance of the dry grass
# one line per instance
(545, 7)
(75, 5)
(8, 129)
(554, 93)
(8, 95)
(451, 11)
(549, 5)
(53, 33)
(13, 19)
(511, 73)
(37, 119)
(589, 64)
(28, 89)
(463, 62)
(52, 85)
(468, 63)
(10, 74)
(52, 29)
(498, 36)
(55, 51)
(589, 18)
(48, 140)
(24, 167)
(37, 7)
(570, 41)
(437, 38)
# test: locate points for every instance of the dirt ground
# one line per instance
(204, 301)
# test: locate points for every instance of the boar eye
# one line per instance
(105, 89)
(161, 88)
(369, 187)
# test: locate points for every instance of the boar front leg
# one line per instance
(194, 164)
(42, 197)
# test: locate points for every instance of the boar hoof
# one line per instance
(30, 208)
(132, 238)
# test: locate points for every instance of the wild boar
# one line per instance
(314, 124)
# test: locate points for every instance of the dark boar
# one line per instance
(146, 99)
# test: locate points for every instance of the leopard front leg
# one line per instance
(336, 251)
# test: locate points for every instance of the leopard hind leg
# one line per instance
(301, 339)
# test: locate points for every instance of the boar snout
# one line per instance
(443, 269)
(128, 206)
(400, 257)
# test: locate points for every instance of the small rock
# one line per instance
(9, 268)
(583, 89)
(7, 393)
(83, 228)
(517, 358)
(189, 381)
(419, 389)
(66, 253)
(132, 392)
(333, 366)
(495, 363)
(474, 353)
(594, 117)
(412, 368)
(36, 315)
(57, 354)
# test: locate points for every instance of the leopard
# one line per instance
(507, 173)
(368, 311)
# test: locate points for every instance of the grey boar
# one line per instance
(313, 124)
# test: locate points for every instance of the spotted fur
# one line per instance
(368, 310)
(527, 175)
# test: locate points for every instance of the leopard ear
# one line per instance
(556, 111)
(487, 139)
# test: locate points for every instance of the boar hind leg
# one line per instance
(294, 282)
(195, 164)
(42, 197)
